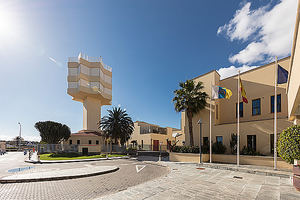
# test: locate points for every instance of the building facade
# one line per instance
(150, 136)
(87, 142)
(293, 85)
(256, 117)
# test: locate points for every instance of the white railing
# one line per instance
(73, 59)
(90, 59)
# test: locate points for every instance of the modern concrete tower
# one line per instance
(90, 82)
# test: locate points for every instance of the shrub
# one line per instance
(233, 143)
(249, 151)
(289, 144)
(218, 148)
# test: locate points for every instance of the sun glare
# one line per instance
(8, 28)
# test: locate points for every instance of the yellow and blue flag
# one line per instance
(220, 92)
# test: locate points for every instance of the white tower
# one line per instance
(90, 82)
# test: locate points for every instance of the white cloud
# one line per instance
(55, 61)
(267, 30)
(226, 72)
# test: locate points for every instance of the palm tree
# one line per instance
(191, 99)
(117, 125)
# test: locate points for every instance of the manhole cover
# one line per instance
(200, 168)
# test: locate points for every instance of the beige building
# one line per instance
(89, 82)
(256, 117)
(150, 136)
(88, 142)
(293, 86)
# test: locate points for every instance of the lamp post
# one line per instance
(200, 137)
(20, 136)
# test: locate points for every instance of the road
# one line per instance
(131, 173)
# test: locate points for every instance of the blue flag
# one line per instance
(282, 75)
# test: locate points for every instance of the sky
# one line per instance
(150, 45)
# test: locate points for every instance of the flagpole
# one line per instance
(210, 160)
(238, 121)
(275, 116)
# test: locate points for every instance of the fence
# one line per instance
(55, 148)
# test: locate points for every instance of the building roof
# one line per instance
(87, 133)
(259, 67)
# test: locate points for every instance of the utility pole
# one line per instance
(20, 136)
(200, 137)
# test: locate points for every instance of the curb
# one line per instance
(250, 171)
(71, 161)
(57, 178)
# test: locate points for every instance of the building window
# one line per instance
(90, 141)
(278, 103)
(241, 109)
(256, 107)
(251, 142)
(97, 141)
(70, 141)
(78, 141)
(219, 139)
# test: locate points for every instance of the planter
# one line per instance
(296, 176)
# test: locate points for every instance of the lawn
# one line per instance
(73, 156)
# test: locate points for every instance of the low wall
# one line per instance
(230, 159)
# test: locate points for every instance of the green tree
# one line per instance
(53, 132)
(190, 98)
(117, 125)
(288, 145)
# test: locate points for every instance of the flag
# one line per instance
(243, 92)
(220, 92)
(282, 75)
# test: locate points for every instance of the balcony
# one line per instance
(90, 59)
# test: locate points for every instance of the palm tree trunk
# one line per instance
(190, 121)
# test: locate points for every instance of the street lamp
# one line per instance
(20, 136)
(200, 153)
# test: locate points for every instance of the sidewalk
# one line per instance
(189, 181)
(58, 174)
(34, 160)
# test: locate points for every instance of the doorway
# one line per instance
(85, 151)
(155, 145)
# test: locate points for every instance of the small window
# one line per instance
(97, 141)
(90, 141)
(219, 139)
(70, 141)
(278, 103)
(241, 109)
(78, 141)
(256, 107)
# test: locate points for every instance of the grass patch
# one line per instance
(73, 156)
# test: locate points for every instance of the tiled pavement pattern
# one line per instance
(186, 182)
(83, 188)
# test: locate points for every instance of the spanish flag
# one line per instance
(243, 93)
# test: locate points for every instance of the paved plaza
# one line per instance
(144, 180)
(131, 173)
(185, 181)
